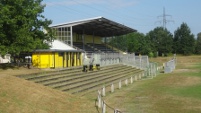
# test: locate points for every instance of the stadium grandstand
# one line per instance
(84, 62)
(75, 38)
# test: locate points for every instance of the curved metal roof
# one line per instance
(98, 26)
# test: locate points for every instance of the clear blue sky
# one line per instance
(142, 15)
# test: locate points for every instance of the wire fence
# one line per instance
(149, 70)
(101, 103)
(170, 65)
(104, 59)
(139, 62)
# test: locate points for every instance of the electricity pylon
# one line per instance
(164, 20)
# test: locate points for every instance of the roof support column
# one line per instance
(112, 44)
(105, 44)
(93, 42)
(71, 36)
(83, 40)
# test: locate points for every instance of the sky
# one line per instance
(142, 15)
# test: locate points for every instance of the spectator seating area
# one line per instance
(90, 48)
(73, 80)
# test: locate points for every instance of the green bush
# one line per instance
(151, 54)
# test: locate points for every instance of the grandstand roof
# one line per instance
(59, 45)
(98, 26)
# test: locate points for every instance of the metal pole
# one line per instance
(71, 36)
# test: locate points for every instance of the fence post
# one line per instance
(103, 91)
(112, 88)
(143, 75)
(120, 84)
(140, 62)
(99, 99)
(131, 79)
(104, 107)
(126, 82)
(155, 70)
(135, 77)
(139, 76)
(115, 111)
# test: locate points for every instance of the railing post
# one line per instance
(139, 76)
(131, 79)
(103, 91)
(112, 88)
(135, 77)
(126, 82)
(99, 99)
(120, 84)
(155, 70)
(104, 107)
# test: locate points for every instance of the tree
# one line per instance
(132, 43)
(119, 42)
(137, 43)
(21, 26)
(161, 40)
(198, 44)
(184, 42)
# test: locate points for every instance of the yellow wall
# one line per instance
(42, 60)
(56, 60)
(87, 38)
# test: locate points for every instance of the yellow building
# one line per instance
(60, 55)
(56, 58)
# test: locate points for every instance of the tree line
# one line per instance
(160, 41)
(22, 24)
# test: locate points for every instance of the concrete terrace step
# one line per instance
(73, 80)
(99, 83)
(96, 87)
(94, 81)
(48, 79)
(48, 73)
(87, 78)
(77, 76)
(59, 72)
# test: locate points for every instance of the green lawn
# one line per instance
(177, 92)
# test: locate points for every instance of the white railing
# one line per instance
(101, 103)
(170, 66)
(104, 59)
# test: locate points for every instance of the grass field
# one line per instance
(22, 96)
(177, 92)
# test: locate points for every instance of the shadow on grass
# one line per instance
(8, 66)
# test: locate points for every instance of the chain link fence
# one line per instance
(170, 65)
(140, 62)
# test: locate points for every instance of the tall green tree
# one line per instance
(161, 40)
(184, 42)
(138, 43)
(21, 26)
(198, 44)
(132, 43)
(119, 42)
